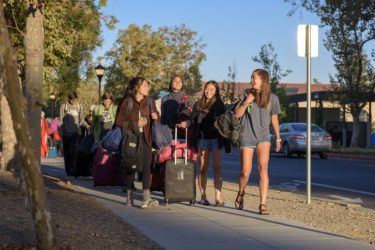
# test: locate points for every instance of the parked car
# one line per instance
(293, 140)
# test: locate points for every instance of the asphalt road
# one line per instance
(338, 179)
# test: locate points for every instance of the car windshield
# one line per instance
(302, 127)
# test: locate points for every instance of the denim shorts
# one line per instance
(208, 144)
(253, 144)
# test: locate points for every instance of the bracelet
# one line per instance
(278, 140)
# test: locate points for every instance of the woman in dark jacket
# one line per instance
(172, 104)
(140, 119)
(207, 139)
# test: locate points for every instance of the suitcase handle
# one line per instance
(175, 143)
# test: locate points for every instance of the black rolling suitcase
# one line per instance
(180, 176)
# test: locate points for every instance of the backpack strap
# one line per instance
(128, 110)
(150, 104)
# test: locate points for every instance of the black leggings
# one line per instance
(145, 160)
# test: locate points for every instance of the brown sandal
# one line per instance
(239, 200)
(263, 209)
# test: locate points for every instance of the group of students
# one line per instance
(257, 108)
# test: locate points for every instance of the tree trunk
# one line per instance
(11, 154)
(17, 104)
(34, 58)
(355, 136)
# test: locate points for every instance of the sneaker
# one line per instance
(149, 203)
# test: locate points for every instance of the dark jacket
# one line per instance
(142, 106)
(203, 124)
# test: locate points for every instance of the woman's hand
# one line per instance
(278, 146)
(183, 125)
(142, 122)
(249, 98)
(154, 116)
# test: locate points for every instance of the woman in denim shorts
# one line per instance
(207, 139)
(258, 107)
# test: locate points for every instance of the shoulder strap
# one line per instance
(184, 98)
(150, 104)
(129, 108)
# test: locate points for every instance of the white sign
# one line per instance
(302, 37)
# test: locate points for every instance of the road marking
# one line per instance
(292, 186)
(338, 188)
(346, 199)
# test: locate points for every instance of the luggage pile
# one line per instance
(173, 171)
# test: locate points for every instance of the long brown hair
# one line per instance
(133, 86)
(203, 105)
(265, 88)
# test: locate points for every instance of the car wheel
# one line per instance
(323, 155)
(286, 150)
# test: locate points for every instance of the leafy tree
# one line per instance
(350, 28)
(268, 59)
(155, 55)
(228, 89)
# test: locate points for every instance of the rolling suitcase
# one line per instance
(106, 169)
(179, 182)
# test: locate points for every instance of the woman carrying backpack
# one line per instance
(138, 119)
(259, 107)
(103, 116)
(207, 139)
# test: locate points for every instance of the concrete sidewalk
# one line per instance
(181, 226)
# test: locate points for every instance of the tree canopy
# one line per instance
(156, 55)
(72, 31)
(350, 29)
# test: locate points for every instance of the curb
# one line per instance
(352, 157)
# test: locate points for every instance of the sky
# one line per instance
(234, 31)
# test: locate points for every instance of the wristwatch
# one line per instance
(278, 140)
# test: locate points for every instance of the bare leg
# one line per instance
(203, 169)
(246, 165)
(263, 154)
(218, 181)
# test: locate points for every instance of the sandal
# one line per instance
(219, 204)
(263, 209)
(205, 202)
(239, 200)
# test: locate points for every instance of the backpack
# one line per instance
(131, 146)
(161, 134)
(185, 115)
(112, 140)
(229, 126)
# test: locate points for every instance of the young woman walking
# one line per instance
(139, 118)
(207, 139)
(259, 107)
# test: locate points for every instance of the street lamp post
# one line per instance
(99, 70)
(52, 97)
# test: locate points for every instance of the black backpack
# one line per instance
(131, 146)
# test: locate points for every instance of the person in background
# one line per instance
(71, 118)
(163, 92)
(139, 118)
(103, 116)
(208, 140)
(259, 107)
(45, 132)
(172, 104)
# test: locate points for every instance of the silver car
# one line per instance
(293, 140)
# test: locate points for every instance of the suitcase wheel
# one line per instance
(166, 202)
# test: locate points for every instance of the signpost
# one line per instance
(308, 47)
